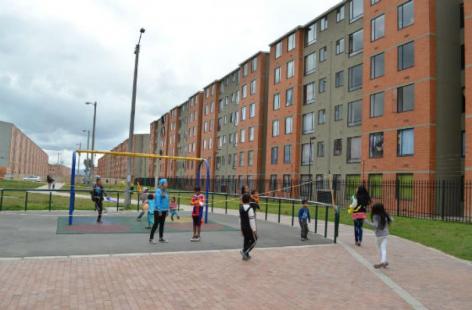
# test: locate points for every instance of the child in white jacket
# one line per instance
(380, 220)
(248, 226)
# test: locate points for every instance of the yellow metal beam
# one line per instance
(141, 155)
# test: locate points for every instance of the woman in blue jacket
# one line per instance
(161, 200)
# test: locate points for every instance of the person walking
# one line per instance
(303, 219)
(359, 208)
(50, 182)
(98, 194)
(248, 226)
(380, 220)
(160, 212)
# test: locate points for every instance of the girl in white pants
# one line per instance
(380, 220)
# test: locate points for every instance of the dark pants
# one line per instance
(99, 208)
(358, 229)
(159, 220)
(304, 228)
(249, 242)
(140, 215)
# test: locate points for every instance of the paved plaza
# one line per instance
(284, 273)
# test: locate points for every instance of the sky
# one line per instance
(58, 54)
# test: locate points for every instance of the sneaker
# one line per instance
(162, 240)
(178, 217)
(385, 264)
(151, 241)
(242, 254)
(138, 219)
(378, 266)
(147, 227)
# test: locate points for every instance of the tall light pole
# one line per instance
(309, 167)
(78, 162)
(131, 121)
(93, 136)
(88, 148)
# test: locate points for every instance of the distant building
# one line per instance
(19, 155)
(59, 173)
(115, 167)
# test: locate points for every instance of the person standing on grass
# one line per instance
(98, 195)
(380, 220)
(198, 201)
(304, 218)
(362, 201)
(248, 226)
(161, 200)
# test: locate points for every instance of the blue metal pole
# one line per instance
(72, 189)
(207, 189)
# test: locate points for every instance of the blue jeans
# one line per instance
(358, 229)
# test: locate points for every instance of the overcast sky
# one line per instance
(58, 54)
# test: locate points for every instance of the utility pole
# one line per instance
(131, 121)
(78, 163)
(87, 174)
(93, 138)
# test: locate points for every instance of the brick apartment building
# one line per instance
(370, 90)
(19, 155)
(114, 168)
(59, 173)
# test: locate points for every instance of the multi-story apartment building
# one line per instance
(153, 147)
(254, 74)
(209, 118)
(173, 142)
(182, 139)
(194, 133)
(466, 23)
(115, 168)
(59, 173)
(19, 155)
(227, 130)
(284, 111)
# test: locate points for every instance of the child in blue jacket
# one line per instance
(304, 218)
(160, 211)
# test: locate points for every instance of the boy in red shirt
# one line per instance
(198, 201)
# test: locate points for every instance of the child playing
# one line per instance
(255, 199)
(150, 210)
(380, 220)
(304, 218)
(144, 205)
(248, 226)
(173, 209)
(198, 200)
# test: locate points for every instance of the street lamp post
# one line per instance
(78, 163)
(131, 121)
(93, 136)
(309, 166)
(88, 148)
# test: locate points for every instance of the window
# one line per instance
(253, 87)
(287, 183)
(276, 101)
(252, 110)
(306, 154)
(338, 112)
(245, 69)
(356, 9)
(340, 46)
(372, 2)
(321, 117)
(375, 185)
(310, 63)
(462, 57)
(277, 75)
(339, 79)
(275, 128)
(243, 113)
(324, 23)
(274, 155)
(251, 134)
(244, 90)
(309, 93)
(406, 98)
(273, 182)
(340, 14)
(291, 42)
(461, 15)
(308, 123)
(310, 34)
(356, 44)
(288, 125)
(322, 85)
(250, 158)
(242, 135)
(323, 54)
(289, 97)
(377, 66)
(406, 14)
(377, 28)
(405, 186)
(354, 150)
(355, 77)
(290, 69)
(406, 142)
(320, 149)
(278, 49)
(254, 64)
(241, 159)
(352, 183)
(406, 56)
(287, 154)
(376, 142)
(377, 104)
(338, 147)
(354, 114)
(463, 145)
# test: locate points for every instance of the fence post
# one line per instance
(226, 203)
(137, 194)
(50, 201)
(1, 200)
(178, 201)
(117, 201)
(336, 224)
(293, 210)
(212, 201)
(266, 207)
(280, 206)
(26, 201)
(326, 222)
(443, 198)
(316, 219)
(397, 195)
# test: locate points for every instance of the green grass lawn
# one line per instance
(20, 184)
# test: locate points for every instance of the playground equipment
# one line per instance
(201, 161)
